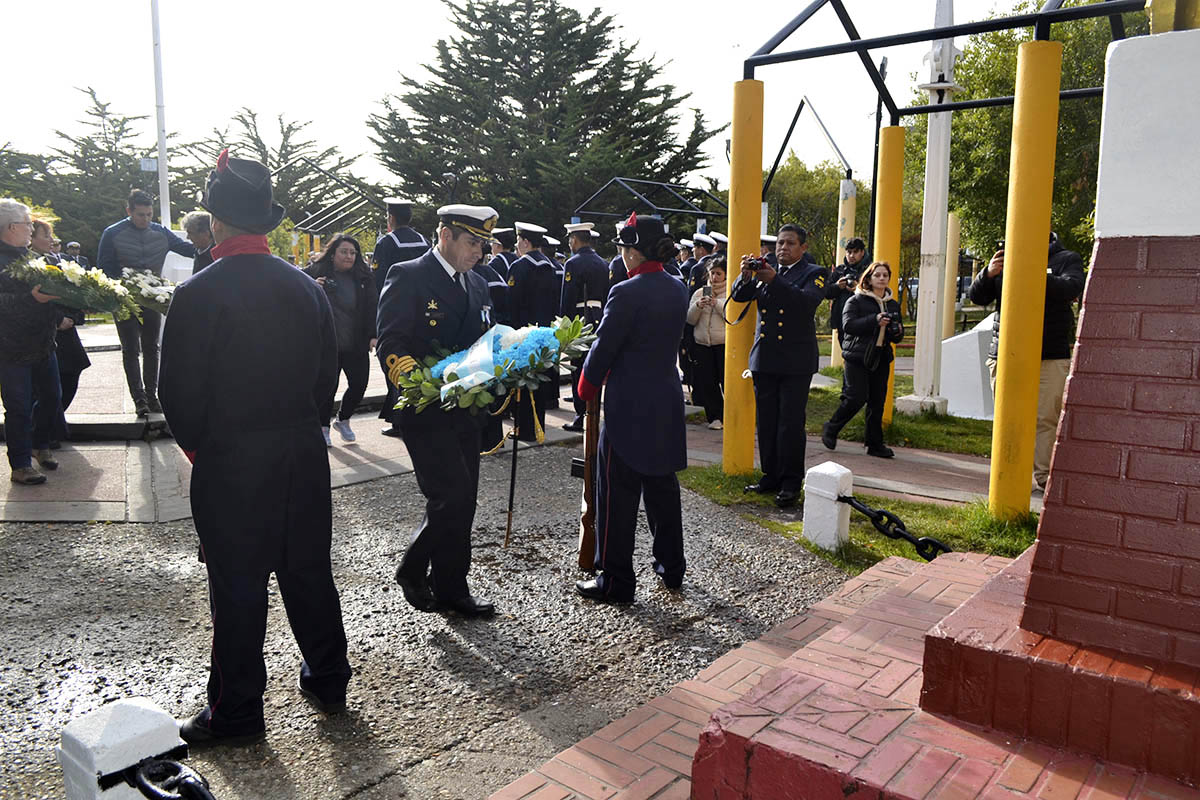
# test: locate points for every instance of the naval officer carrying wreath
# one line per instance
(437, 301)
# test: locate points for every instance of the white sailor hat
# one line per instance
(686, 243)
(550, 240)
(396, 201)
(768, 238)
(720, 238)
(478, 220)
(596, 234)
(704, 239)
(529, 227)
(579, 227)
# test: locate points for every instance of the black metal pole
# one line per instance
(870, 237)
(512, 473)
(782, 148)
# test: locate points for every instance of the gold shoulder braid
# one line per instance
(399, 365)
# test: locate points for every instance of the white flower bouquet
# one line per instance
(75, 287)
(147, 289)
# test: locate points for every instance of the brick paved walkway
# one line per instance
(648, 753)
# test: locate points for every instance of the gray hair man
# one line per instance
(198, 227)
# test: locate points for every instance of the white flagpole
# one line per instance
(164, 187)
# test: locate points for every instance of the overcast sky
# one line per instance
(332, 63)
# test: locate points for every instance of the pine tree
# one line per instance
(534, 106)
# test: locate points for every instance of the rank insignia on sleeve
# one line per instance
(819, 281)
(432, 304)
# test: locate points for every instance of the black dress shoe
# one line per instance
(828, 438)
(153, 404)
(786, 498)
(468, 606)
(416, 592)
(393, 432)
(761, 488)
(672, 582)
(592, 590)
(197, 733)
(881, 452)
(575, 425)
(325, 706)
(142, 408)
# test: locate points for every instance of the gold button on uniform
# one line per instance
(780, 338)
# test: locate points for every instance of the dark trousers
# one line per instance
(781, 402)
(576, 401)
(862, 387)
(708, 375)
(30, 394)
(445, 458)
(140, 337)
(619, 490)
(237, 590)
(357, 368)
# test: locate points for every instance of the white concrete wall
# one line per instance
(1149, 178)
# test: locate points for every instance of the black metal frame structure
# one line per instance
(1051, 12)
(345, 213)
(676, 190)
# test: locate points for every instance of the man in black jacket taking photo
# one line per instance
(1064, 284)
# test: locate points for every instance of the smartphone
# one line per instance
(707, 291)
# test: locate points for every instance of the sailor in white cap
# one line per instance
(504, 242)
(534, 296)
(585, 287)
(400, 243)
(766, 244)
(686, 261)
(721, 240)
(437, 298)
(703, 247)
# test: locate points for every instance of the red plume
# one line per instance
(223, 160)
(632, 221)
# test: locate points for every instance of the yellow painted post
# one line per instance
(953, 231)
(886, 242)
(745, 218)
(1023, 299)
(845, 233)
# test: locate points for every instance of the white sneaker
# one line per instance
(325, 431)
(715, 425)
(342, 426)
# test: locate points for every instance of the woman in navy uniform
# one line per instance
(643, 442)
(783, 359)
(534, 298)
(244, 406)
(435, 301)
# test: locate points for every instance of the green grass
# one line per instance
(944, 433)
(962, 528)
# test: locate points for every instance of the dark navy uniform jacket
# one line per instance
(617, 271)
(497, 289)
(502, 262)
(699, 274)
(422, 308)
(402, 244)
(534, 290)
(636, 349)
(247, 404)
(585, 284)
(786, 343)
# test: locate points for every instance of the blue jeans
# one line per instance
(31, 395)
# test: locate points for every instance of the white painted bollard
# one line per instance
(826, 521)
(111, 739)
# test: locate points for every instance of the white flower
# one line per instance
(514, 338)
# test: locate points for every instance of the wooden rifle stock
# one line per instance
(587, 515)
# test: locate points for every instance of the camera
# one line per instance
(755, 264)
(330, 284)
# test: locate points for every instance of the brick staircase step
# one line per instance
(648, 753)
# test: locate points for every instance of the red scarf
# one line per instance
(645, 267)
(246, 244)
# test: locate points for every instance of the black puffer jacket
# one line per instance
(366, 299)
(26, 326)
(860, 326)
(1064, 283)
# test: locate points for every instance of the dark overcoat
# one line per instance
(786, 343)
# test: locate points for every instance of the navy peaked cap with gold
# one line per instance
(479, 220)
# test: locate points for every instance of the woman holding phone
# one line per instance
(705, 312)
(870, 324)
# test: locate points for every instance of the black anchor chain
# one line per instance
(163, 779)
(893, 527)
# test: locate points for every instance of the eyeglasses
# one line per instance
(26, 222)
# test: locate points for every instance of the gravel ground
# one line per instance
(440, 707)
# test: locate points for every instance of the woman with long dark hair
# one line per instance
(705, 314)
(870, 324)
(343, 272)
